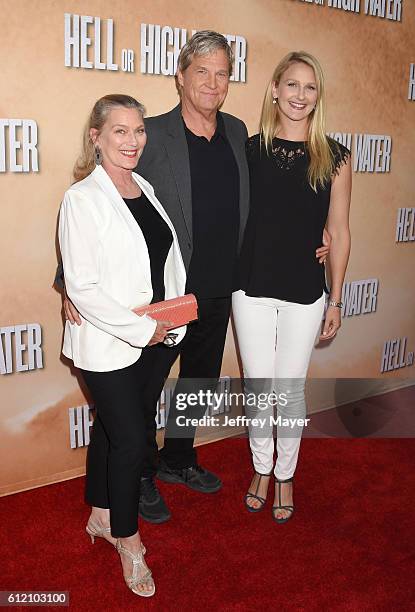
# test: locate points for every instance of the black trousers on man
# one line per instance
(201, 353)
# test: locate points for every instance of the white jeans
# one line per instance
(276, 339)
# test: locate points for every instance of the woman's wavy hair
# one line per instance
(322, 164)
(99, 114)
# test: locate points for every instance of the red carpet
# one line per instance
(350, 545)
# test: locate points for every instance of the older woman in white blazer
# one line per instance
(119, 251)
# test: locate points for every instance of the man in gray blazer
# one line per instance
(195, 160)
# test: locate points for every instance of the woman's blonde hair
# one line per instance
(322, 165)
(99, 114)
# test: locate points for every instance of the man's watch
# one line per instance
(336, 304)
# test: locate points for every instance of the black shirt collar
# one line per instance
(220, 130)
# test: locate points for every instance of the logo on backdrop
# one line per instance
(80, 420)
(396, 355)
(20, 348)
(371, 152)
(360, 297)
(160, 46)
(405, 225)
(385, 9)
(411, 86)
(18, 145)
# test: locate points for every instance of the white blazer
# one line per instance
(107, 273)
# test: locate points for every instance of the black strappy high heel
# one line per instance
(280, 506)
(255, 495)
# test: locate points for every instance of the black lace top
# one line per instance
(285, 224)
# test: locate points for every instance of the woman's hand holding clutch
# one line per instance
(160, 333)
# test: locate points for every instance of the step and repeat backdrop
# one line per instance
(58, 58)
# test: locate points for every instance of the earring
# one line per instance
(97, 156)
(274, 100)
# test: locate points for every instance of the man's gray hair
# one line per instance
(204, 43)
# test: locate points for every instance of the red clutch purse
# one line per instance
(180, 311)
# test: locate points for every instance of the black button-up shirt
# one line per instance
(214, 178)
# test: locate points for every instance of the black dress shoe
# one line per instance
(194, 477)
(152, 507)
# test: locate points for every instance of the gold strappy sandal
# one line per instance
(100, 532)
(134, 581)
(94, 531)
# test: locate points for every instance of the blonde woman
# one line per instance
(119, 251)
(300, 183)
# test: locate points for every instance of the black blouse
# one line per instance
(285, 224)
(158, 237)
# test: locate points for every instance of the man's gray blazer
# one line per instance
(165, 164)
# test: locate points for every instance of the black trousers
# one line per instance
(122, 437)
(201, 353)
